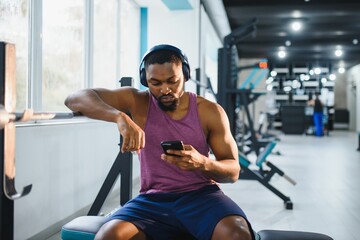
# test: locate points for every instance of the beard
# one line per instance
(170, 106)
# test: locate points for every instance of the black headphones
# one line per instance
(177, 51)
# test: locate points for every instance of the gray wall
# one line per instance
(340, 91)
(353, 97)
(66, 165)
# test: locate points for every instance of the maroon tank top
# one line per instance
(156, 174)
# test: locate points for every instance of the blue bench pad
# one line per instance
(291, 235)
(82, 228)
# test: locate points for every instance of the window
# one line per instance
(105, 44)
(130, 41)
(63, 51)
(63, 46)
(14, 29)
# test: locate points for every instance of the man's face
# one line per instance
(166, 83)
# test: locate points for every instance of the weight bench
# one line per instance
(264, 176)
(86, 227)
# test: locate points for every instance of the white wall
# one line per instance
(176, 27)
(353, 97)
(210, 43)
(66, 164)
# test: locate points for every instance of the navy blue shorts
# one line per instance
(189, 215)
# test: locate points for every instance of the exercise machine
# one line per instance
(8, 118)
(236, 100)
(263, 175)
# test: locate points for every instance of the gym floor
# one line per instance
(326, 196)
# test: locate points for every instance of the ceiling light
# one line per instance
(355, 41)
(287, 43)
(332, 77)
(281, 54)
(341, 70)
(287, 89)
(317, 70)
(273, 73)
(269, 80)
(304, 77)
(296, 84)
(296, 26)
(323, 80)
(338, 52)
(296, 14)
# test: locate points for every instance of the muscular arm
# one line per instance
(111, 106)
(101, 104)
(226, 168)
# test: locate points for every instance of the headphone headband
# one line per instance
(177, 51)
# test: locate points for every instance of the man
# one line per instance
(179, 197)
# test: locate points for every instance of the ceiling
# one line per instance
(327, 25)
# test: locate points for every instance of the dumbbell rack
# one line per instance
(8, 117)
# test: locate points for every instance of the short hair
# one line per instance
(162, 56)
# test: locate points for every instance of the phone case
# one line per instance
(175, 145)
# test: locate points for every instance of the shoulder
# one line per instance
(123, 98)
(207, 108)
(130, 93)
(213, 117)
(138, 97)
(129, 90)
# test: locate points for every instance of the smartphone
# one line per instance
(175, 145)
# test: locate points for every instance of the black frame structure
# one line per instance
(228, 70)
(230, 97)
(122, 166)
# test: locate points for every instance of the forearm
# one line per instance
(224, 171)
(89, 104)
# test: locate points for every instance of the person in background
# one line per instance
(318, 115)
(180, 197)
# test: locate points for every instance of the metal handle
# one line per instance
(7, 123)
(289, 179)
(9, 165)
(30, 115)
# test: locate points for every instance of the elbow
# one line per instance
(73, 101)
(67, 102)
(236, 174)
(70, 102)
(235, 177)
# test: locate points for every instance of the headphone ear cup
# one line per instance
(186, 71)
(143, 77)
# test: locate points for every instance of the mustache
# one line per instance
(166, 95)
